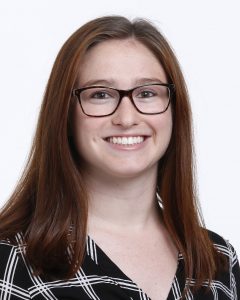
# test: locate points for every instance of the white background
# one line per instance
(205, 36)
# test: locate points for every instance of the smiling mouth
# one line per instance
(130, 140)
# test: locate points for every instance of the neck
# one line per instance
(120, 204)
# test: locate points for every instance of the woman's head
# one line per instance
(58, 106)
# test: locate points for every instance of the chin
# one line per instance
(129, 172)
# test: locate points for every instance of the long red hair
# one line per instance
(50, 203)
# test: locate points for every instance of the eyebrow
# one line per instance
(148, 80)
(98, 82)
(112, 83)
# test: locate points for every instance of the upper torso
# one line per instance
(100, 278)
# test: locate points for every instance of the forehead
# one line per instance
(120, 61)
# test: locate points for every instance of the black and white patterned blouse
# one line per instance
(101, 279)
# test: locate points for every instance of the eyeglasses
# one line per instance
(101, 101)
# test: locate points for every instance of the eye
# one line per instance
(100, 95)
(146, 94)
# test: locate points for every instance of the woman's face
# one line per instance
(122, 64)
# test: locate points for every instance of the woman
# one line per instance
(106, 207)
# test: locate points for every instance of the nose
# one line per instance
(126, 114)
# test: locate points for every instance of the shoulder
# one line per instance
(223, 246)
(218, 241)
(232, 272)
(14, 244)
(227, 281)
(13, 248)
(10, 253)
(14, 271)
(8, 250)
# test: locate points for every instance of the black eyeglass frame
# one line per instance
(123, 93)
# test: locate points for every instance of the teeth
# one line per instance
(126, 140)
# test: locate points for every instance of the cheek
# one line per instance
(82, 134)
(82, 140)
(169, 126)
(85, 133)
(164, 124)
(163, 130)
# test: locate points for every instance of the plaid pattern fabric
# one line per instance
(100, 279)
